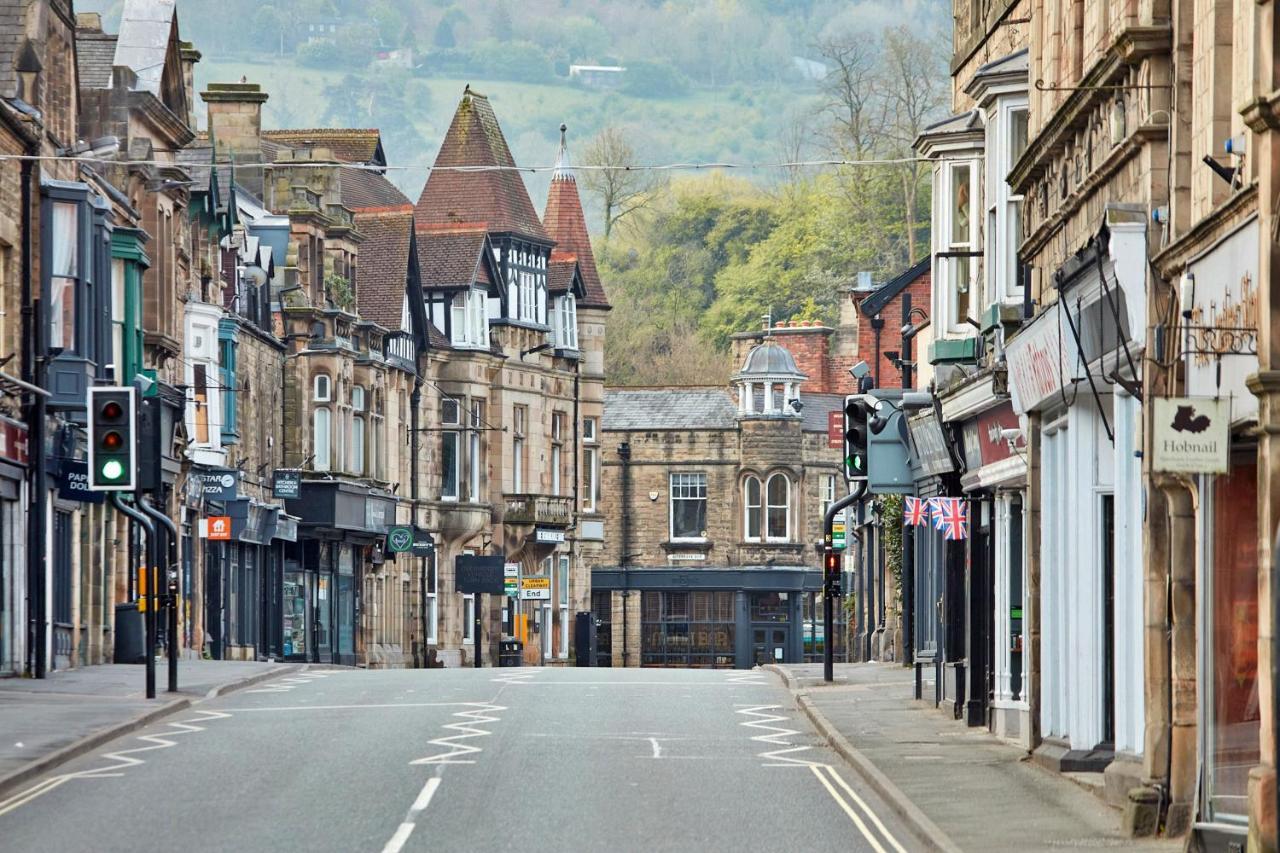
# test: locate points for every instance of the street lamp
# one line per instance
(909, 331)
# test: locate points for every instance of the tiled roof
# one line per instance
(95, 52)
(816, 409)
(568, 227)
(884, 294)
(368, 190)
(561, 271)
(452, 258)
(436, 339)
(351, 145)
(669, 408)
(497, 199)
(382, 271)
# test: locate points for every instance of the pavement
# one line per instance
(526, 759)
(959, 788)
(47, 722)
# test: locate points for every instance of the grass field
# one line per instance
(705, 126)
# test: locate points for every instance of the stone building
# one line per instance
(718, 496)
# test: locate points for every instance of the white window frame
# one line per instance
(475, 454)
(433, 611)
(358, 429)
(519, 419)
(469, 319)
(944, 290)
(684, 482)
(564, 603)
(770, 506)
(828, 495)
(590, 465)
(566, 322)
(468, 618)
(321, 388)
(752, 511)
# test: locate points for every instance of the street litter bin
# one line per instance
(131, 634)
(510, 653)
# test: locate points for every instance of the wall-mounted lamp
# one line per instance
(1187, 294)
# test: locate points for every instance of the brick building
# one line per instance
(718, 495)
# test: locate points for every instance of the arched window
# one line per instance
(321, 392)
(320, 437)
(752, 505)
(778, 511)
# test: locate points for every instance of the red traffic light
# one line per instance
(112, 440)
(111, 410)
(831, 561)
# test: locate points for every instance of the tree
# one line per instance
(852, 94)
(620, 188)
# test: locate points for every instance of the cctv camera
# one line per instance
(1010, 435)
(797, 405)
(860, 370)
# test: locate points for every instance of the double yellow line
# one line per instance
(852, 804)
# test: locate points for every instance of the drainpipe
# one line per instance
(624, 454)
(33, 372)
(577, 473)
(877, 323)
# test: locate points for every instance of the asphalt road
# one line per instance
(493, 759)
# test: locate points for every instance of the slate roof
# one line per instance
(348, 144)
(496, 199)
(452, 258)
(885, 294)
(669, 408)
(816, 409)
(143, 42)
(568, 227)
(368, 190)
(382, 269)
(95, 53)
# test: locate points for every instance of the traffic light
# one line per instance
(113, 418)
(831, 571)
(855, 438)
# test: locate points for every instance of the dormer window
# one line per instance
(565, 327)
(468, 320)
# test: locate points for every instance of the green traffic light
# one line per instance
(112, 470)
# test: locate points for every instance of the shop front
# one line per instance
(1073, 374)
(324, 569)
(1220, 355)
(714, 618)
(13, 461)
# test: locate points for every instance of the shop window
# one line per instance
(752, 506)
(778, 511)
(687, 629)
(689, 506)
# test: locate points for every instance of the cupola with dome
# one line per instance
(769, 382)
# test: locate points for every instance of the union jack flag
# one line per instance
(935, 511)
(914, 511)
(955, 518)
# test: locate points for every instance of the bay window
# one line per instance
(228, 346)
(321, 422)
(565, 328)
(450, 450)
(64, 272)
(356, 463)
(476, 455)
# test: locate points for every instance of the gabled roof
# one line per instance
(568, 227)
(95, 52)
(495, 198)
(564, 274)
(368, 190)
(455, 258)
(681, 409)
(887, 292)
(148, 45)
(1004, 75)
(348, 144)
(382, 270)
(965, 128)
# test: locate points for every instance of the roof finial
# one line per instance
(563, 171)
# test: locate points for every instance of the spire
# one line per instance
(563, 170)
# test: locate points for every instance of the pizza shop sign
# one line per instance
(1192, 435)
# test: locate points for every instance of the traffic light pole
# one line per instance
(829, 591)
(149, 530)
(171, 586)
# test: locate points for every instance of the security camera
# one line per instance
(1010, 436)
(860, 370)
(797, 405)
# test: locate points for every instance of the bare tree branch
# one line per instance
(621, 190)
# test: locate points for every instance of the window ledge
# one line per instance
(687, 545)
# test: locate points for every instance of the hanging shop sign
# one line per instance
(216, 528)
(13, 442)
(928, 447)
(73, 485)
(287, 485)
(424, 544)
(217, 484)
(1192, 434)
(399, 540)
(535, 589)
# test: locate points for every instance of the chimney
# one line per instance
(235, 119)
(89, 21)
(190, 56)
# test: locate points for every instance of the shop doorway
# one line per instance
(324, 618)
(769, 644)
(1108, 622)
(296, 618)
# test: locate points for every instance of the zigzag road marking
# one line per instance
(287, 683)
(478, 713)
(746, 678)
(778, 737)
(517, 677)
(121, 759)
